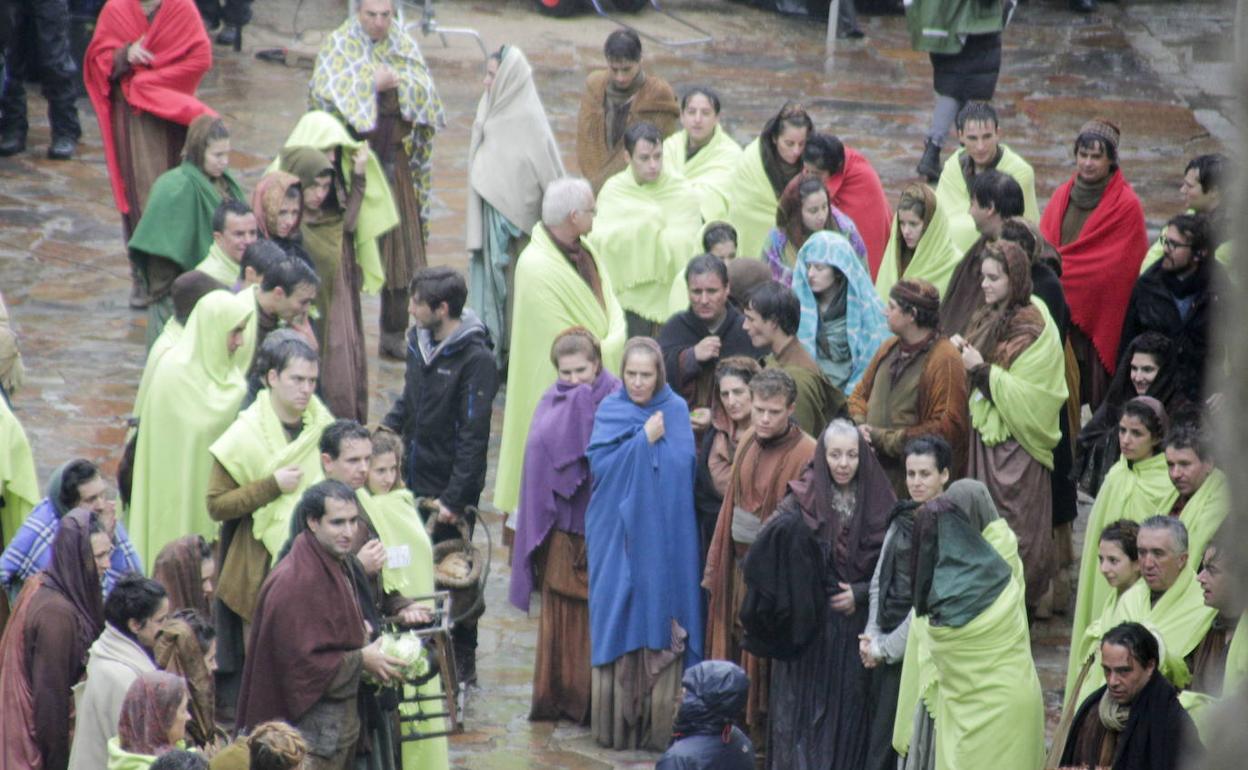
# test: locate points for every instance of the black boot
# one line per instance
(62, 148)
(12, 141)
(929, 164)
(231, 36)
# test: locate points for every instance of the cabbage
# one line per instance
(408, 648)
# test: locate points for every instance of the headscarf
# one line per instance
(199, 136)
(973, 498)
(856, 547)
(267, 198)
(778, 172)
(917, 293)
(72, 574)
(305, 163)
(957, 573)
(867, 328)
(993, 325)
(179, 569)
(178, 651)
(923, 297)
(917, 191)
(148, 712)
(648, 344)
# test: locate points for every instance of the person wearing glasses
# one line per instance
(1096, 221)
(1176, 297)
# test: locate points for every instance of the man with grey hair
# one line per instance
(560, 283)
(1168, 600)
(371, 75)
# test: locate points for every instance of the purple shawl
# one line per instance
(554, 490)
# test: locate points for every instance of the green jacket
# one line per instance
(941, 26)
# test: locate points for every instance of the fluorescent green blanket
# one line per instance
(751, 203)
(19, 485)
(1131, 491)
(255, 447)
(710, 172)
(193, 397)
(378, 214)
(934, 259)
(1203, 514)
(218, 265)
(644, 236)
(550, 297)
(953, 197)
(1026, 398)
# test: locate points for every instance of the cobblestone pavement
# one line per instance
(1153, 68)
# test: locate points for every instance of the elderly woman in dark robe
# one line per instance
(550, 538)
(57, 616)
(819, 708)
(641, 535)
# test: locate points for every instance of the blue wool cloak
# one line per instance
(641, 530)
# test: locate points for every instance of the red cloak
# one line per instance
(858, 193)
(181, 55)
(307, 619)
(1100, 267)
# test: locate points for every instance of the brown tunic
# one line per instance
(818, 400)
(561, 677)
(1208, 661)
(760, 476)
(403, 248)
(929, 397)
(242, 560)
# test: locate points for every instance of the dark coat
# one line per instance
(444, 413)
(691, 378)
(970, 74)
(785, 599)
(1153, 308)
(1158, 731)
(704, 736)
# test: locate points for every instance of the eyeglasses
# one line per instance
(1169, 245)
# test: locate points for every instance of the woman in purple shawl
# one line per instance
(641, 532)
(550, 535)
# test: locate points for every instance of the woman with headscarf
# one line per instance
(731, 403)
(987, 704)
(194, 395)
(278, 205)
(328, 220)
(555, 495)
(175, 232)
(186, 569)
(641, 537)
(187, 647)
(1147, 368)
(512, 157)
(919, 247)
(1136, 487)
(58, 615)
(153, 721)
(803, 211)
(763, 171)
(842, 322)
(818, 701)
(1016, 373)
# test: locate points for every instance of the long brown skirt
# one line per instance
(1021, 489)
(344, 367)
(561, 678)
(629, 714)
(146, 147)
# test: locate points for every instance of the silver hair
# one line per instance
(564, 196)
(839, 427)
(1171, 524)
(355, 6)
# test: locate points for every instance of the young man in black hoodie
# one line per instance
(444, 413)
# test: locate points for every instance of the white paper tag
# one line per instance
(398, 556)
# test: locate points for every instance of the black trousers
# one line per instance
(40, 50)
(233, 13)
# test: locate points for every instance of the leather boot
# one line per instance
(929, 164)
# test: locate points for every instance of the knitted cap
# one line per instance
(1102, 129)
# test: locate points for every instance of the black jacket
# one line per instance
(785, 600)
(704, 736)
(444, 413)
(1153, 308)
(691, 378)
